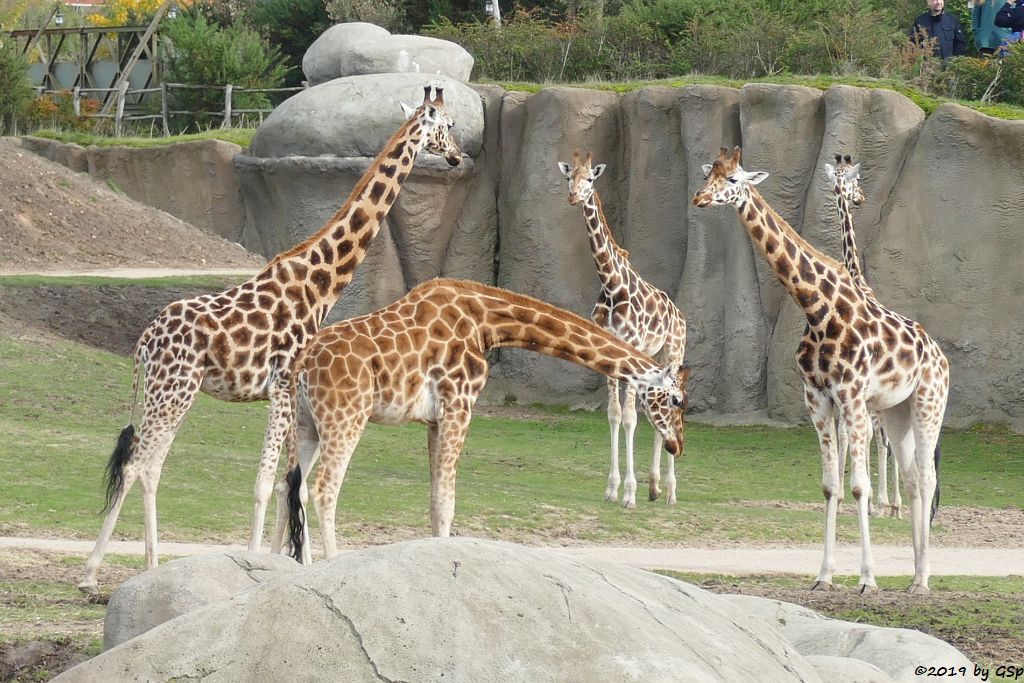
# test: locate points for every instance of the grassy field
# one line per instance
(537, 479)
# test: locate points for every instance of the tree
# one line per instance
(291, 26)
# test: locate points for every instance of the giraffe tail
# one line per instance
(115, 466)
(935, 498)
(296, 514)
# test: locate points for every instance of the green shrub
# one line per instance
(970, 78)
(200, 53)
(14, 84)
(291, 26)
(1013, 75)
(388, 14)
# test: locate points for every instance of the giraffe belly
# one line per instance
(420, 408)
(230, 386)
(886, 394)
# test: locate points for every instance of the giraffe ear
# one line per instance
(830, 171)
(596, 172)
(409, 111)
(755, 177)
(707, 169)
(853, 173)
(565, 168)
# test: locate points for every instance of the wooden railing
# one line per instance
(124, 94)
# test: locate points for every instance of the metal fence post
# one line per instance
(227, 106)
(163, 107)
(121, 92)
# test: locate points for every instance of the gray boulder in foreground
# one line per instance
(174, 588)
(896, 651)
(460, 610)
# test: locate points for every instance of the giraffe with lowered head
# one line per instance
(423, 359)
(856, 356)
(239, 345)
(845, 178)
(636, 312)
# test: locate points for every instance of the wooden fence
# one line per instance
(135, 112)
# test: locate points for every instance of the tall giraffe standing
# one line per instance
(636, 312)
(239, 345)
(856, 356)
(423, 359)
(845, 178)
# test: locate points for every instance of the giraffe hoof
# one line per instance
(629, 504)
(823, 586)
(918, 589)
(671, 500)
(654, 495)
(868, 589)
(89, 587)
(611, 498)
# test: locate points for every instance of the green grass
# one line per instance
(239, 136)
(64, 404)
(925, 101)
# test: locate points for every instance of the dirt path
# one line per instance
(890, 560)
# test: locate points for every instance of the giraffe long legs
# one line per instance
(164, 411)
(277, 428)
(611, 492)
(307, 443)
(448, 438)
(820, 407)
(629, 423)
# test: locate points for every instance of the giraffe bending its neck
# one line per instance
(634, 311)
(239, 345)
(856, 356)
(423, 359)
(845, 178)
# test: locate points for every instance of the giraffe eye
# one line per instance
(732, 181)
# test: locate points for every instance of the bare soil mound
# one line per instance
(53, 219)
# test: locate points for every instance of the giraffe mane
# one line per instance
(356, 191)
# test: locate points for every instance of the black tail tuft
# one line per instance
(115, 466)
(935, 498)
(296, 515)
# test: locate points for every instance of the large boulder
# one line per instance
(309, 154)
(460, 609)
(895, 651)
(356, 49)
(181, 586)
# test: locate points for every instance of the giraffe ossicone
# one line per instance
(855, 357)
(635, 311)
(423, 359)
(239, 345)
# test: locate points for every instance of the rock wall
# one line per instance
(939, 232)
(193, 181)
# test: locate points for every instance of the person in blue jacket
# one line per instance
(1011, 16)
(987, 36)
(945, 28)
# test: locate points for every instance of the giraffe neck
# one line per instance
(850, 256)
(516, 321)
(326, 261)
(805, 272)
(611, 266)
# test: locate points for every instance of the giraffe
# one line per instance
(239, 345)
(423, 359)
(856, 356)
(845, 178)
(636, 312)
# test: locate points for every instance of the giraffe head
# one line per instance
(437, 126)
(581, 177)
(845, 176)
(726, 182)
(664, 401)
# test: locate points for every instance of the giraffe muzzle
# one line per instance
(702, 201)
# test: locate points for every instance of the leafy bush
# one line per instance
(388, 14)
(14, 84)
(970, 78)
(1013, 75)
(291, 26)
(56, 111)
(200, 53)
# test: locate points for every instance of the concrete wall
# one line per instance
(940, 232)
